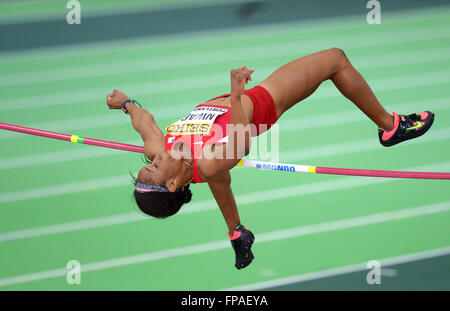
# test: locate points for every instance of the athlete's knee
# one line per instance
(337, 51)
(339, 54)
(340, 58)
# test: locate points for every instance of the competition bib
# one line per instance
(199, 121)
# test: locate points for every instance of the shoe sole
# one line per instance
(247, 248)
(418, 134)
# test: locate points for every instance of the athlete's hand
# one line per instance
(115, 99)
(240, 77)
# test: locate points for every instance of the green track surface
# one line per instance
(45, 183)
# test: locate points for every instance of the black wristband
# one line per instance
(128, 101)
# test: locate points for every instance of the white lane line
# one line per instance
(266, 51)
(98, 94)
(409, 81)
(122, 180)
(295, 124)
(142, 88)
(95, 223)
(109, 119)
(62, 156)
(352, 147)
(344, 270)
(204, 81)
(218, 245)
(290, 124)
(95, 184)
(354, 115)
(104, 120)
(242, 199)
(327, 91)
(295, 28)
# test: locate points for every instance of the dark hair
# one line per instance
(162, 204)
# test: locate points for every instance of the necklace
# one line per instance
(189, 165)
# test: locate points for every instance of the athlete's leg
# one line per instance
(298, 79)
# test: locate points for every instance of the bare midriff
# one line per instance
(246, 103)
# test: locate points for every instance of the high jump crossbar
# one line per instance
(244, 162)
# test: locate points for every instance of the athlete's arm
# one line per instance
(239, 121)
(143, 122)
(242, 242)
(228, 155)
(221, 189)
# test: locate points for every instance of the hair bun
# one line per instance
(187, 194)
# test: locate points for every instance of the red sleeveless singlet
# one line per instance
(206, 124)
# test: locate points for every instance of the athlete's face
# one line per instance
(163, 167)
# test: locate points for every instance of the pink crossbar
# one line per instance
(140, 149)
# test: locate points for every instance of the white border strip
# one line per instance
(116, 9)
(267, 285)
(188, 37)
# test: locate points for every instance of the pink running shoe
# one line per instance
(406, 127)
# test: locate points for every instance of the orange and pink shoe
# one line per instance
(406, 127)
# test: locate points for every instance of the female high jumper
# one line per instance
(211, 140)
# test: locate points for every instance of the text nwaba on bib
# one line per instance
(199, 121)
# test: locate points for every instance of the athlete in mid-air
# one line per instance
(205, 145)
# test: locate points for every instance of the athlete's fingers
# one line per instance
(244, 68)
(242, 75)
(250, 73)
